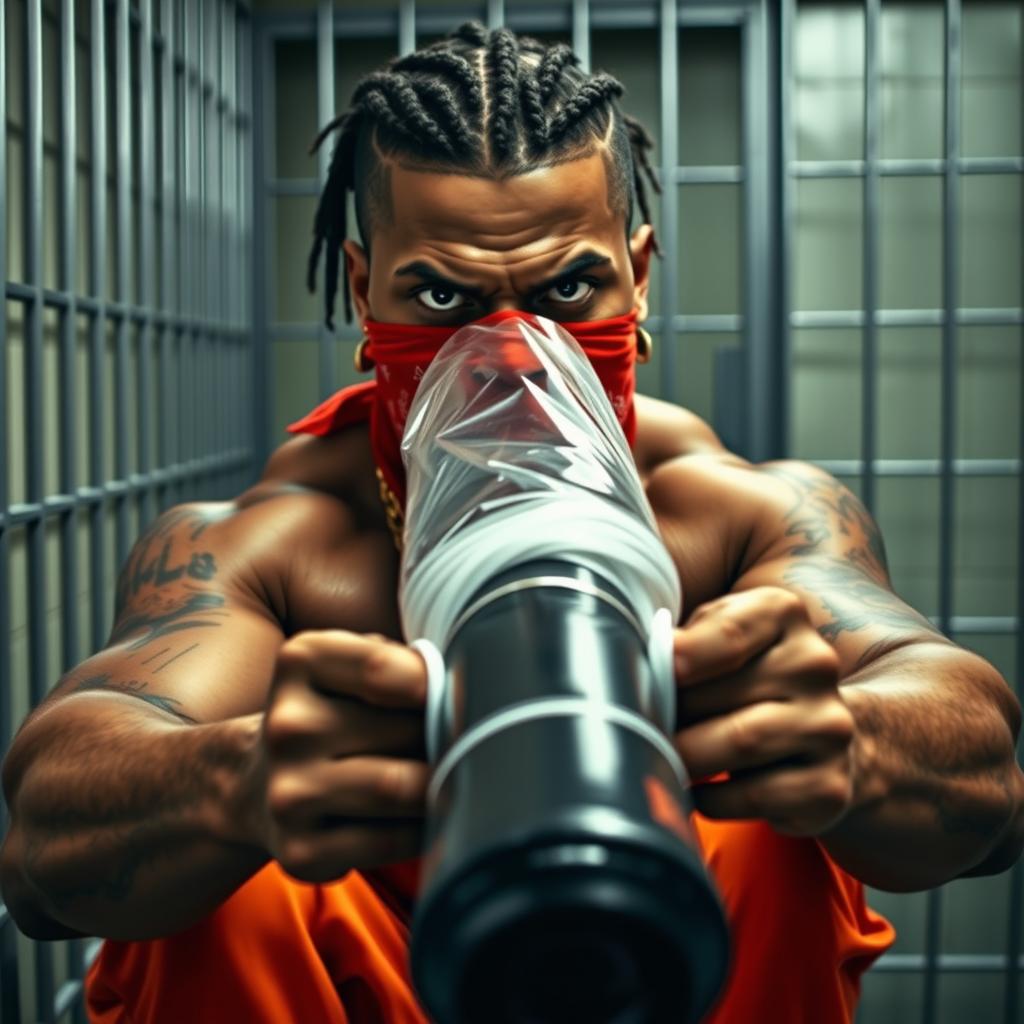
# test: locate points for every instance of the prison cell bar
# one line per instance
(39, 508)
(35, 442)
(8, 937)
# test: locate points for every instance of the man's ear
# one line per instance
(641, 245)
(357, 266)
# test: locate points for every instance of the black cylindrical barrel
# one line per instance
(562, 880)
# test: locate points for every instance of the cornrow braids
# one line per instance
(593, 93)
(552, 65)
(503, 56)
(481, 101)
(444, 61)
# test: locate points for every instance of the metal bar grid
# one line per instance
(143, 312)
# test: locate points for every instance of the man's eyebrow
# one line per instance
(582, 262)
(425, 271)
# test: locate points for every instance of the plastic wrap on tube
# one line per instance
(513, 452)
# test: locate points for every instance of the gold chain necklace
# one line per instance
(392, 510)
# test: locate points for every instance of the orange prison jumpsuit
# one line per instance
(281, 951)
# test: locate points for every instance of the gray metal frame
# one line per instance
(752, 391)
(199, 330)
(948, 468)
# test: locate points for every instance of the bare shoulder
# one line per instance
(666, 432)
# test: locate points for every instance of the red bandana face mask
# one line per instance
(402, 352)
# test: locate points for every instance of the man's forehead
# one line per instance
(565, 199)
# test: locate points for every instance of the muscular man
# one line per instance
(255, 717)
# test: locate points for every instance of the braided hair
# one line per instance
(490, 102)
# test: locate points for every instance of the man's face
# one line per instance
(457, 248)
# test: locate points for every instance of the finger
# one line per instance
(726, 634)
(798, 801)
(325, 855)
(801, 665)
(372, 668)
(331, 792)
(761, 734)
(303, 724)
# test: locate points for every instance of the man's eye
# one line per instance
(439, 298)
(572, 290)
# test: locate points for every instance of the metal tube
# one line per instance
(326, 349)
(34, 424)
(122, 103)
(947, 492)
(68, 324)
(1015, 929)
(97, 326)
(168, 151)
(406, 27)
(787, 152)
(581, 32)
(668, 62)
(10, 1008)
(145, 289)
(869, 338)
(189, 217)
(764, 386)
(263, 302)
(70, 653)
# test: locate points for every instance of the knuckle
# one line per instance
(733, 634)
(286, 796)
(836, 723)
(819, 657)
(284, 723)
(393, 784)
(375, 662)
(787, 603)
(293, 655)
(746, 734)
(835, 792)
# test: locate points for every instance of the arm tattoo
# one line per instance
(836, 553)
(151, 564)
(200, 608)
(134, 688)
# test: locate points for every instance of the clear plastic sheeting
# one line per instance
(512, 453)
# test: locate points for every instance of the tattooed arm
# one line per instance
(938, 792)
(126, 786)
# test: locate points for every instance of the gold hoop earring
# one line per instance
(644, 345)
(362, 362)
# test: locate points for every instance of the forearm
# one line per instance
(938, 790)
(125, 823)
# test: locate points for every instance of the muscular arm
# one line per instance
(939, 794)
(127, 786)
